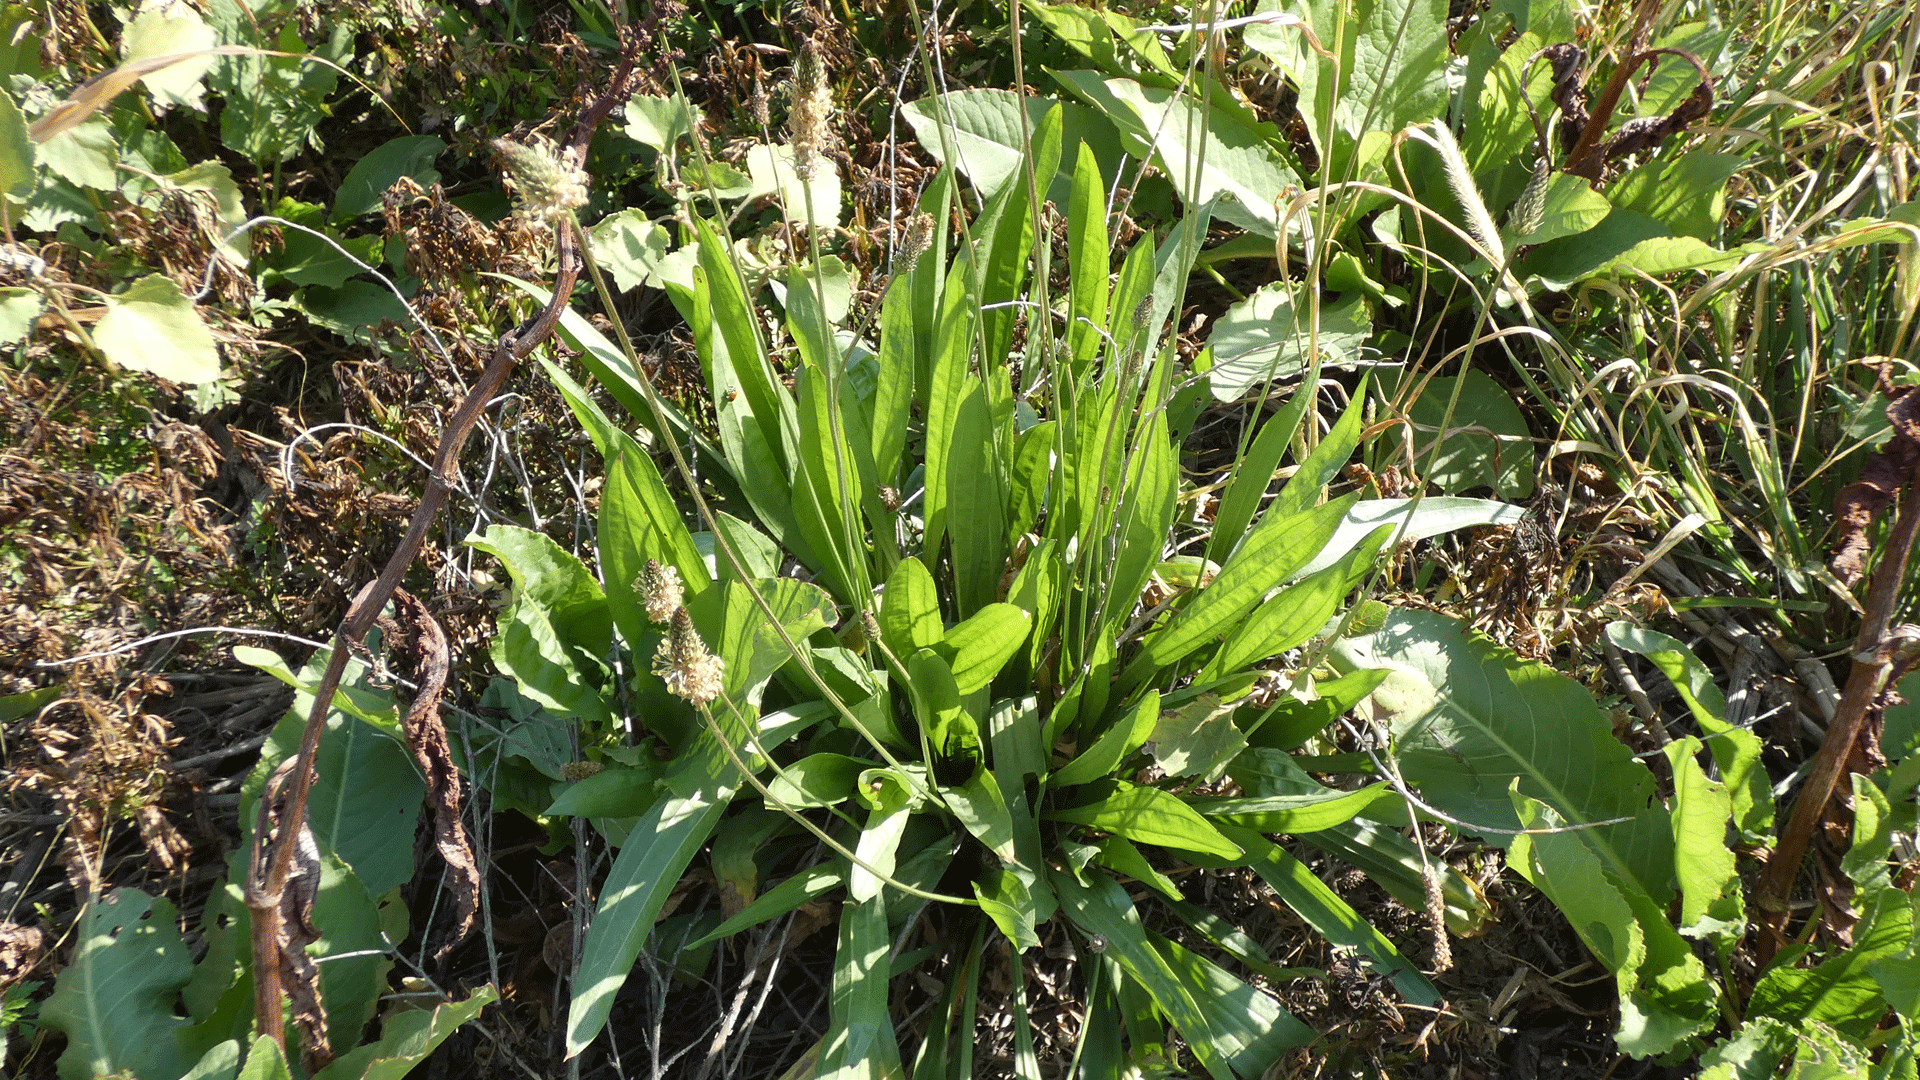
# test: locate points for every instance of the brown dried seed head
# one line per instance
(812, 104)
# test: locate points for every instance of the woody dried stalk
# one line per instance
(272, 871)
(1893, 473)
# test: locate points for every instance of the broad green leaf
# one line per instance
(739, 633)
(114, 1000)
(167, 32)
(1666, 995)
(1148, 815)
(1686, 193)
(19, 310)
(951, 733)
(1196, 739)
(327, 260)
(658, 121)
(366, 184)
(556, 628)
(1099, 761)
(814, 202)
(1710, 899)
(406, 1038)
(366, 797)
(981, 645)
(220, 1063)
(1486, 445)
(266, 1061)
(656, 853)
(154, 327)
(630, 246)
(17, 157)
(1391, 72)
(84, 155)
(1088, 257)
(1841, 990)
(1177, 132)
(1754, 1052)
(1469, 719)
(910, 609)
(1568, 207)
(1118, 854)
(983, 129)
(1006, 900)
(274, 103)
(817, 780)
(1265, 338)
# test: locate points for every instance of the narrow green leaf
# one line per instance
(888, 797)
(406, 1039)
(910, 609)
(16, 151)
(782, 898)
(981, 645)
(1331, 916)
(1098, 761)
(1087, 255)
(1254, 473)
(1149, 815)
(1277, 547)
(657, 851)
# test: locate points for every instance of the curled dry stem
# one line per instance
(272, 873)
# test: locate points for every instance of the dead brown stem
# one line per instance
(265, 891)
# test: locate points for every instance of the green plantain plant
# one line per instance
(924, 607)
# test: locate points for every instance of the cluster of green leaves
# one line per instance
(133, 1001)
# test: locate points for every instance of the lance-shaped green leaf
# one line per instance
(657, 852)
(1276, 548)
(860, 1042)
(1710, 901)
(1148, 815)
(1231, 1028)
(1735, 750)
(1331, 916)
(910, 609)
(950, 730)
(782, 898)
(406, 1038)
(888, 797)
(981, 645)
(1127, 734)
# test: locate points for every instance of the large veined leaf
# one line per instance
(1238, 161)
(983, 130)
(1393, 56)
(1263, 337)
(115, 999)
(556, 628)
(154, 327)
(1665, 994)
(1486, 443)
(1469, 719)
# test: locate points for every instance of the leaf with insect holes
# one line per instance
(114, 1001)
(154, 327)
